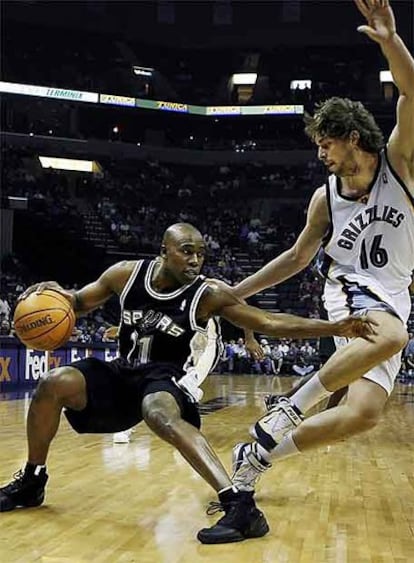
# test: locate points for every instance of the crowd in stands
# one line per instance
(15, 278)
(281, 357)
(218, 201)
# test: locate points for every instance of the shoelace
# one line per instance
(18, 477)
(214, 506)
(230, 512)
(270, 401)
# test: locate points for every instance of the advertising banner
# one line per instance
(9, 366)
(273, 110)
(116, 100)
(143, 103)
(33, 363)
(46, 92)
(172, 106)
(21, 366)
(223, 110)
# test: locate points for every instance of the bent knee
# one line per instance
(161, 417)
(364, 419)
(163, 425)
(60, 382)
(395, 340)
(398, 340)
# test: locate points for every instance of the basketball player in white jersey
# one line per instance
(364, 219)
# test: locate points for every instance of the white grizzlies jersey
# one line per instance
(371, 240)
(374, 239)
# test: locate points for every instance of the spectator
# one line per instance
(5, 328)
(264, 366)
(241, 360)
(284, 346)
(227, 361)
(4, 308)
(277, 358)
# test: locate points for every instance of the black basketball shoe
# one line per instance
(242, 519)
(27, 489)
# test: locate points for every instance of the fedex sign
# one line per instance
(38, 363)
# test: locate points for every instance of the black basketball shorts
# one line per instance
(115, 392)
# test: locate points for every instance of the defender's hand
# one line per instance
(254, 349)
(112, 332)
(380, 18)
(355, 326)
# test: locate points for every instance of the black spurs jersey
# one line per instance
(162, 327)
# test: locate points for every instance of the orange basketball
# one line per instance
(44, 321)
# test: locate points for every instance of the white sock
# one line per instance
(286, 448)
(229, 488)
(310, 394)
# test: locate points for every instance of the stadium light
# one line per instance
(385, 76)
(300, 84)
(244, 78)
(74, 165)
(16, 202)
(142, 70)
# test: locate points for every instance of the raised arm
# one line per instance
(382, 29)
(298, 256)
(93, 295)
(217, 300)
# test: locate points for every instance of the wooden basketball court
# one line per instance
(140, 502)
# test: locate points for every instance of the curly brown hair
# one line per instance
(337, 117)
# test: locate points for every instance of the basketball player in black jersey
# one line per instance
(165, 303)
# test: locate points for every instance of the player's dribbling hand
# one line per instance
(42, 286)
(357, 326)
(380, 18)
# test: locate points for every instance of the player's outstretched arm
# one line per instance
(218, 301)
(251, 344)
(382, 29)
(93, 295)
(296, 258)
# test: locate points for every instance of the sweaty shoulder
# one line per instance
(217, 295)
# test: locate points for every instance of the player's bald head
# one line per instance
(182, 253)
(180, 232)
